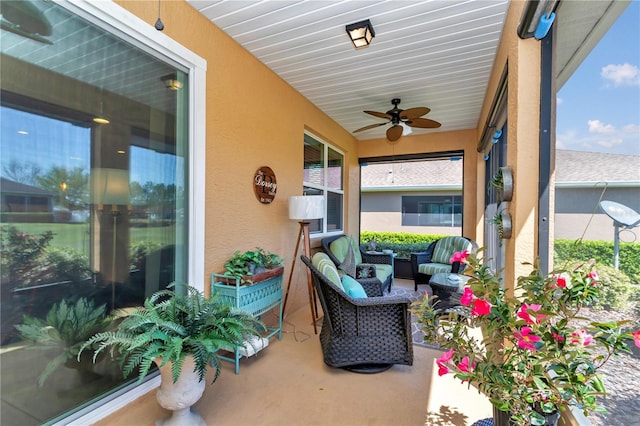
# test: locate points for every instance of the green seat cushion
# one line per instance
(352, 287)
(445, 247)
(383, 271)
(339, 248)
(325, 266)
(433, 268)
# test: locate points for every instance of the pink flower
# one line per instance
(526, 340)
(459, 256)
(559, 338)
(581, 337)
(442, 369)
(561, 281)
(446, 357)
(467, 296)
(480, 307)
(636, 338)
(594, 277)
(525, 315)
(464, 365)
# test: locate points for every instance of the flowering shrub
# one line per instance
(528, 353)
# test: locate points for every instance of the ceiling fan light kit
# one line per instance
(399, 118)
(361, 33)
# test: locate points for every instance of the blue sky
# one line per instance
(598, 108)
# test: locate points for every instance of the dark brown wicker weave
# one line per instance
(373, 331)
(373, 286)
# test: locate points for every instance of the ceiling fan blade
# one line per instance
(414, 112)
(370, 126)
(394, 132)
(379, 114)
(423, 123)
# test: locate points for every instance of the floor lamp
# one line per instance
(303, 209)
(111, 186)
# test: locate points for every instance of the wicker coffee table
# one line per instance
(448, 287)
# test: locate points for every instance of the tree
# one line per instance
(70, 184)
(25, 173)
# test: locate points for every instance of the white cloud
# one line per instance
(597, 126)
(621, 75)
(610, 143)
(559, 100)
(631, 128)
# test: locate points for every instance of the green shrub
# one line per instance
(616, 288)
(138, 252)
(67, 264)
(402, 243)
(602, 252)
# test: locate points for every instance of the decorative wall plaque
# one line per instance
(264, 185)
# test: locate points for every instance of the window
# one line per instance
(431, 210)
(89, 212)
(324, 175)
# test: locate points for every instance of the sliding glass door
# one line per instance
(94, 199)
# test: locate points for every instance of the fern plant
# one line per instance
(66, 327)
(171, 325)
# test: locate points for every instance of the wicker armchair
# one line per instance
(436, 257)
(362, 334)
(382, 264)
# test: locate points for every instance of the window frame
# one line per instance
(324, 188)
(123, 24)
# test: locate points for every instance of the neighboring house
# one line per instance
(425, 197)
(25, 203)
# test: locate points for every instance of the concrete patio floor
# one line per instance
(288, 384)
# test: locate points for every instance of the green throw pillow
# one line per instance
(325, 266)
(352, 287)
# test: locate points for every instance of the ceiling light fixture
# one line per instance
(171, 82)
(101, 119)
(361, 33)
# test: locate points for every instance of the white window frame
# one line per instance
(118, 20)
(325, 187)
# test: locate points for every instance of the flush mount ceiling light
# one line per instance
(361, 33)
(171, 82)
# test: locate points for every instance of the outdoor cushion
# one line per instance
(352, 287)
(323, 263)
(445, 247)
(433, 268)
(383, 271)
(340, 246)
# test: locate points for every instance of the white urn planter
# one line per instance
(181, 395)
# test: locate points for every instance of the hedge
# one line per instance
(565, 250)
(602, 252)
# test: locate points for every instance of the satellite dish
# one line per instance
(621, 214)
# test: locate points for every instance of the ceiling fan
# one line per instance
(396, 116)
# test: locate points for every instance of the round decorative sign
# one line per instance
(264, 185)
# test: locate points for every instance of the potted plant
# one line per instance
(181, 332)
(535, 355)
(253, 266)
(66, 327)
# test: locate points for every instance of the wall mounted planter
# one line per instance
(503, 183)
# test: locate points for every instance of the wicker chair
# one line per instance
(436, 257)
(382, 264)
(364, 335)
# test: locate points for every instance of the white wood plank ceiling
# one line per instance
(437, 54)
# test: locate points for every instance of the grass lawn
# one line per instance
(76, 235)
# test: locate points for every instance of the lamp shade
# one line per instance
(306, 207)
(110, 186)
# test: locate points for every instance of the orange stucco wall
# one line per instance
(254, 119)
